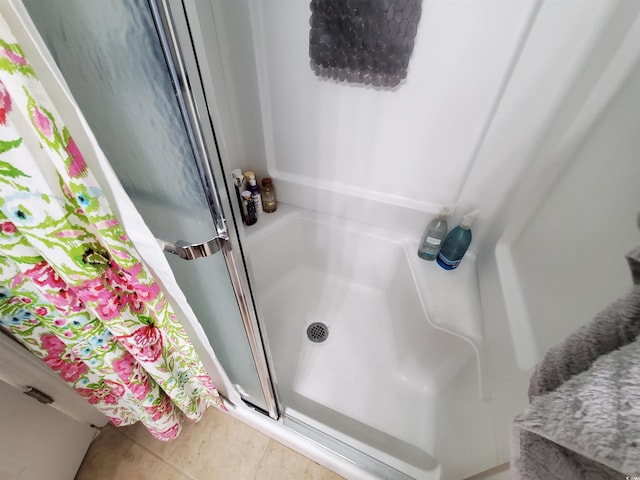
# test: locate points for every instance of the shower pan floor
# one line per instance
(387, 381)
(358, 320)
(353, 382)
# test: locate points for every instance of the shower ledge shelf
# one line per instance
(450, 298)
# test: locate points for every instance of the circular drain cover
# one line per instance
(317, 332)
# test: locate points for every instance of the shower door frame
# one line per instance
(198, 111)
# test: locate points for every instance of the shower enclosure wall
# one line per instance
(417, 370)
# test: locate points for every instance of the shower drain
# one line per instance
(317, 332)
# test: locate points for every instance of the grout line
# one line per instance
(162, 460)
(262, 459)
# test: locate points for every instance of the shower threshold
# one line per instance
(347, 452)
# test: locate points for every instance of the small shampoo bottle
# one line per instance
(255, 193)
(433, 236)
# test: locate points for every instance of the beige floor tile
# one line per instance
(112, 456)
(219, 447)
(282, 463)
(167, 472)
(216, 448)
(139, 434)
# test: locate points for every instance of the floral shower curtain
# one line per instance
(72, 286)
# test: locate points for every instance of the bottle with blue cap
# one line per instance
(456, 243)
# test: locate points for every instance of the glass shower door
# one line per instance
(121, 69)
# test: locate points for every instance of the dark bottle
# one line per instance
(252, 186)
(456, 243)
(250, 207)
(238, 180)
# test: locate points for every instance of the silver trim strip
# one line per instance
(174, 30)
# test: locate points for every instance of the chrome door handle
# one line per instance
(194, 251)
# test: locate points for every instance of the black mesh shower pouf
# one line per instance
(363, 41)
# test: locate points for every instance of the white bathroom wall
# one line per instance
(576, 56)
(569, 258)
(565, 165)
(412, 145)
(406, 151)
(240, 135)
(568, 262)
(486, 82)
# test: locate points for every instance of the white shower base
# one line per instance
(389, 380)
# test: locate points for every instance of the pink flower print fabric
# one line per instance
(145, 343)
(77, 166)
(61, 360)
(73, 288)
(129, 371)
(5, 104)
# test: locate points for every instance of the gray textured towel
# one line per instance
(584, 420)
(544, 459)
(589, 427)
(614, 327)
(634, 264)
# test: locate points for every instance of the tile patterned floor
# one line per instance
(217, 447)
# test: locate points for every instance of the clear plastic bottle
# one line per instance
(268, 192)
(433, 236)
(456, 243)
